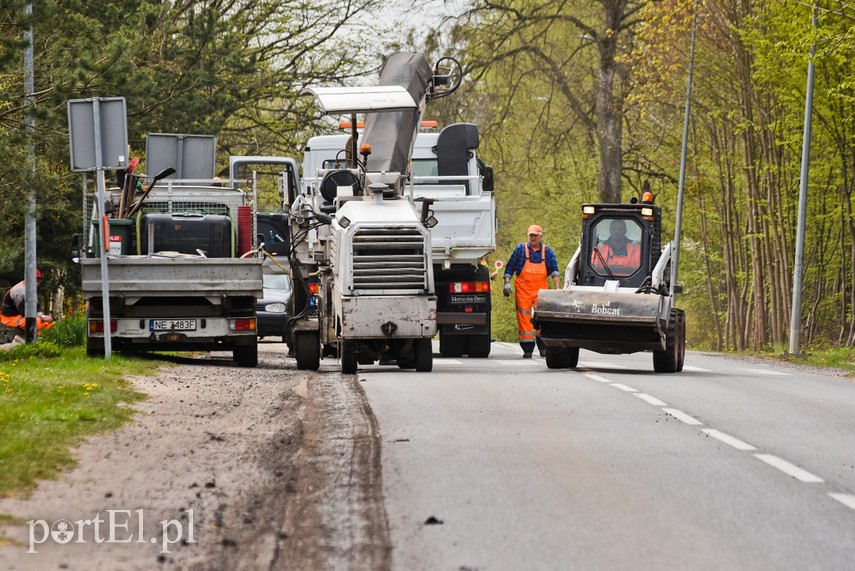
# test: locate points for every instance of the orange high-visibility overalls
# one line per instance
(20, 321)
(531, 280)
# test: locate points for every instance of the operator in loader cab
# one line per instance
(617, 253)
(531, 263)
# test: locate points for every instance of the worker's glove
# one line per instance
(507, 289)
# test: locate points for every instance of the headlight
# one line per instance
(275, 308)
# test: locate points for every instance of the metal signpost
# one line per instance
(98, 140)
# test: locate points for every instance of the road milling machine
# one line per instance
(617, 296)
(361, 249)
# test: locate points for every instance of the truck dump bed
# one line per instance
(141, 276)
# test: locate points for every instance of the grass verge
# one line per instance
(50, 399)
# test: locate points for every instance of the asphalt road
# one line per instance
(504, 464)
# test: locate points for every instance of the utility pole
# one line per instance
(30, 217)
(681, 186)
(798, 266)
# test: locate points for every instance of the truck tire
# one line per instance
(451, 345)
(349, 360)
(246, 355)
(562, 357)
(423, 351)
(94, 347)
(681, 336)
(666, 361)
(572, 357)
(308, 350)
(478, 346)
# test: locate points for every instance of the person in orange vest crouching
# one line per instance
(14, 304)
(531, 263)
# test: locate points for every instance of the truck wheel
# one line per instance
(308, 351)
(572, 357)
(478, 346)
(94, 347)
(666, 361)
(451, 345)
(349, 361)
(558, 357)
(681, 336)
(246, 355)
(423, 350)
(364, 358)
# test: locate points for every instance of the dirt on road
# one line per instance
(222, 468)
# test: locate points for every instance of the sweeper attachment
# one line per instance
(617, 296)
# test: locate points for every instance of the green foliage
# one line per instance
(66, 332)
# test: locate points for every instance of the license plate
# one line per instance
(468, 299)
(172, 325)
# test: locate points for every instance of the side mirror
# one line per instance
(76, 247)
(487, 182)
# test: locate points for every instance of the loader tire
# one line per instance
(478, 346)
(349, 359)
(246, 355)
(562, 357)
(423, 352)
(308, 349)
(667, 361)
(451, 345)
(681, 337)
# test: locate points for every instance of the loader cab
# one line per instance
(620, 242)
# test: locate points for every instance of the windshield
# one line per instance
(277, 281)
(425, 167)
(616, 247)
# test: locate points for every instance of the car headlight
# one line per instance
(275, 308)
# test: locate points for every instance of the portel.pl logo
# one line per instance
(118, 527)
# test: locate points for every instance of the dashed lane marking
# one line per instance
(600, 365)
(847, 500)
(728, 439)
(789, 469)
(650, 399)
(444, 361)
(767, 372)
(516, 362)
(625, 388)
(683, 417)
(693, 369)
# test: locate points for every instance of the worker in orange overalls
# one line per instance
(531, 263)
(14, 304)
(621, 256)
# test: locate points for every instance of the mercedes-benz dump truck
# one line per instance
(447, 174)
(362, 258)
(617, 296)
(176, 281)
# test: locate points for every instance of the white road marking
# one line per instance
(683, 417)
(695, 369)
(727, 439)
(767, 372)
(789, 469)
(625, 388)
(444, 361)
(847, 500)
(601, 365)
(597, 378)
(517, 362)
(652, 400)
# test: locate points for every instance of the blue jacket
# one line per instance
(517, 260)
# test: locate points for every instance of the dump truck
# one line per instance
(447, 174)
(176, 279)
(361, 250)
(617, 296)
